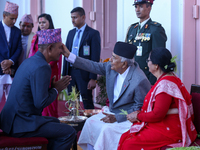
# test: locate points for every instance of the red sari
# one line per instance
(176, 130)
(52, 109)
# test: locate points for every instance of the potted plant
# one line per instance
(102, 95)
(72, 103)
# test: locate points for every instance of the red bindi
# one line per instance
(41, 19)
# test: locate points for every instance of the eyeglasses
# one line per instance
(147, 60)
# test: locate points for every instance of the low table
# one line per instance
(76, 124)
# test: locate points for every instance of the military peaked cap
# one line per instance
(142, 1)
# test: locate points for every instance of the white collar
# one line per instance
(143, 23)
(82, 28)
(4, 25)
(123, 75)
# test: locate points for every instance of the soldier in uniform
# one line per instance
(146, 35)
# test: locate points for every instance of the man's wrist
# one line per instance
(136, 117)
(71, 58)
(12, 61)
(56, 90)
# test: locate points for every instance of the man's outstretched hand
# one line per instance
(65, 52)
(91, 84)
(109, 118)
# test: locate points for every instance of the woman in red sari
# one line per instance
(167, 113)
(45, 22)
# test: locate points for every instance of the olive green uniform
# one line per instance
(150, 36)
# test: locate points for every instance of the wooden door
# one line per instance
(102, 16)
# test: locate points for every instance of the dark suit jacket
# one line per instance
(134, 88)
(29, 94)
(158, 38)
(11, 50)
(90, 37)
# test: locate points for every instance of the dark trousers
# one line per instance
(81, 86)
(60, 135)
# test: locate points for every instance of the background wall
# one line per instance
(60, 13)
(176, 31)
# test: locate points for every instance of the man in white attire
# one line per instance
(126, 86)
(26, 26)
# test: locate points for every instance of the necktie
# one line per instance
(139, 26)
(75, 44)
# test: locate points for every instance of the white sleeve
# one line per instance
(71, 58)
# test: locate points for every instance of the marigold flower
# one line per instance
(106, 60)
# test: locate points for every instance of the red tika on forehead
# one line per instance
(26, 23)
(41, 19)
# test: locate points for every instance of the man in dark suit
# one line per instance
(146, 35)
(10, 47)
(84, 42)
(30, 94)
(10, 39)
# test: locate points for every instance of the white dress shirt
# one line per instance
(6, 78)
(143, 23)
(7, 30)
(81, 34)
(118, 84)
(22, 56)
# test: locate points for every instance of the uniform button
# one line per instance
(145, 68)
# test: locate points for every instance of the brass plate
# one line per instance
(71, 119)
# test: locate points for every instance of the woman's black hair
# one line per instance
(48, 17)
(162, 57)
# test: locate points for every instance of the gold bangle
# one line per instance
(137, 117)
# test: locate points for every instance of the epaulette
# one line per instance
(155, 23)
(135, 25)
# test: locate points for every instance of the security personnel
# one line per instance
(146, 35)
